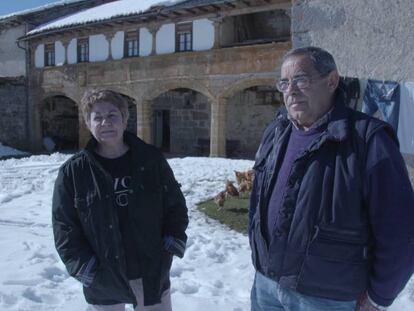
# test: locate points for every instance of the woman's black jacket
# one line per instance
(86, 228)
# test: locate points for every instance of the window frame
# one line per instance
(83, 50)
(49, 55)
(184, 31)
(131, 36)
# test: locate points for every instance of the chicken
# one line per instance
(240, 177)
(220, 198)
(249, 175)
(244, 186)
(231, 189)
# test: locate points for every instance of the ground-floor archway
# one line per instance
(248, 112)
(181, 122)
(132, 109)
(59, 124)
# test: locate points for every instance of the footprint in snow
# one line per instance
(54, 274)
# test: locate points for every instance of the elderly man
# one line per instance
(332, 206)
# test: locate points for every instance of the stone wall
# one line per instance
(189, 120)
(248, 114)
(13, 121)
(59, 121)
(369, 39)
(12, 58)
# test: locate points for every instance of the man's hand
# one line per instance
(365, 304)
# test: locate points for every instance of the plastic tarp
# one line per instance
(406, 118)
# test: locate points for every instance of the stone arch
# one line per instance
(245, 84)
(180, 115)
(249, 106)
(165, 86)
(58, 93)
(125, 91)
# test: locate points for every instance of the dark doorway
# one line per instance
(162, 130)
(59, 124)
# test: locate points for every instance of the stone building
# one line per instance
(199, 74)
(14, 65)
(369, 40)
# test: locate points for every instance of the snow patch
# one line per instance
(215, 274)
(8, 151)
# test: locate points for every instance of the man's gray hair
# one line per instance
(321, 59)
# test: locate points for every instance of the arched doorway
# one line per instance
(59, 124)
(249, 111)
(132, 109)
(181, 122)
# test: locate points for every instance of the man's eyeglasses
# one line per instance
(302, 82)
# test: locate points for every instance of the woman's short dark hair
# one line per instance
(91, 97)
(322, 60)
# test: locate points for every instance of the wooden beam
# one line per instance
(190, 11)
(246, 3)
(230, 5)
(202, 9)
(163, 15)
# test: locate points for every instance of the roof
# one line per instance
(193, 3)
(38, 9)
(117, 9)
(45, 13)
(103, 12)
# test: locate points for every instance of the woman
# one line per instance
(118, 213)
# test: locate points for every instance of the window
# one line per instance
(184, 37)
(131, 44)
(50, 54)
(83, 50)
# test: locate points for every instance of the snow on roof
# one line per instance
(39, 8)
(103, 12)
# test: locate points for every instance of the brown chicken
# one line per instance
(231, 189)
(219, 199)
(249, 175)
(240, 177)
(244, 186)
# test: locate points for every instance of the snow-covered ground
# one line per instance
(216, 273)
(8, 151)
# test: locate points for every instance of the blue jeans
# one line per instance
(385, 97)
(267, 295)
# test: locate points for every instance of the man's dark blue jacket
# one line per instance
(345, 222)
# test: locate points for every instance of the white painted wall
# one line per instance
(165, 39)
(98, 48)
(40, 56)
(12, 58)
(59, 53)
(72, 52)
(203, 34)
(117, 45)
(145, 42)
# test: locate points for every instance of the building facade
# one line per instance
(15, 64)
(199, 75)
(371, 41)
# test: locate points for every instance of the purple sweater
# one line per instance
(391, 216)
(299, 141)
